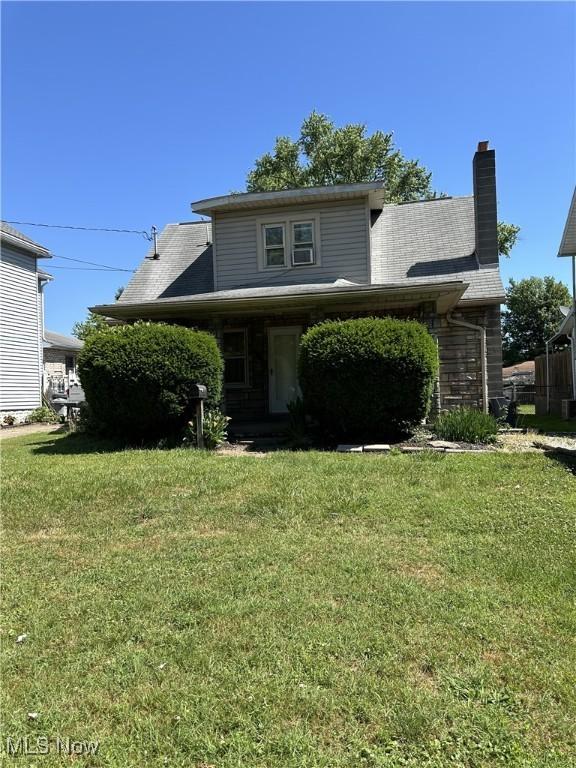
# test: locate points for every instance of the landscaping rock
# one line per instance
(349, 448)
(443, 444)
(377, 448)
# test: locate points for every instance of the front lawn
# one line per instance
(294, 610)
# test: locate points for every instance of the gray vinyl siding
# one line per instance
(20, 337)
(344, 245)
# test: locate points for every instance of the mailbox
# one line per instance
(199, 392)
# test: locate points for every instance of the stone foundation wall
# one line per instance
(19, 416)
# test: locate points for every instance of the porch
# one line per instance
(258, 330)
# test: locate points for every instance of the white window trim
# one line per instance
(246, 382)
(263, 227)
(287, 222)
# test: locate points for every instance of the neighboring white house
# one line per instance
(21, 323)
(60, 361)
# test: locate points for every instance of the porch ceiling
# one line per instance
(288, 299)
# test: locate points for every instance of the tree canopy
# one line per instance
(324, 154)
(532, 316)
(92, 324)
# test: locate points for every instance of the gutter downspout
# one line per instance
(483, 361)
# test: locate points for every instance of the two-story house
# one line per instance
(21, 322)
(270, 264)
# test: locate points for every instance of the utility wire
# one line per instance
(92, 263)
(84, 229)
(92, 269)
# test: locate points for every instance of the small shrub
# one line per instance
(215, 429)
(367, 377)
(9, 420)
(43, 415)
(466, 425)
(298, 431)
(138, 378)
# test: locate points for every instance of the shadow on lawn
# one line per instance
(76, 443)
(569, 462)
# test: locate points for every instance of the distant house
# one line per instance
(21, 322)
(271, 264)
(60, 361)
(521, 373)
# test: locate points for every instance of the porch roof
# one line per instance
(263, 300)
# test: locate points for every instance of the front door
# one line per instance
(282, 369)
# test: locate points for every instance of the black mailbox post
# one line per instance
(199, 394)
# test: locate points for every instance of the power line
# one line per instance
(92, 269)
(84, 229)
(92, 263)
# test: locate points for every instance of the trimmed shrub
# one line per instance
(42, 415)
(137, 378)
(367, 377)
(466, 425)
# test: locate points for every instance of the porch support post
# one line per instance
(217, 329)
(433, 322)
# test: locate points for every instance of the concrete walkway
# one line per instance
(28, 429)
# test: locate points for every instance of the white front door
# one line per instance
(282, 366)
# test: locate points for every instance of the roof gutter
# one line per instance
(125, 310)
(32, 249)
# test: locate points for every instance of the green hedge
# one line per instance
(137, 378)
(367, 377)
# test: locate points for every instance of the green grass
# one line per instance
(527, 418)
(300, 610)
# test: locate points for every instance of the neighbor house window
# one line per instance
(302, 243)
(235, 358)
(274, 248)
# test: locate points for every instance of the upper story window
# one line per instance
(291, 243)
(274, 248)
(302, 243)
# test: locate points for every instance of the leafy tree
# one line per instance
(532, 316)
(507, 236)
(324, 155)
(93, 323)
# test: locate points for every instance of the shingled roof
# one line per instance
(54, 340)
(184, 266)
(432, 240)
(412, 244)
(14, 237)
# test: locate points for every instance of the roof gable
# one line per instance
(15, 238)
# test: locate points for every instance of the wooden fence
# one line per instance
(559, 384)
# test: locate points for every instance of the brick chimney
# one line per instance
(485, 215)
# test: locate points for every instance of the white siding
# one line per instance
(20, 332)
(344, 245)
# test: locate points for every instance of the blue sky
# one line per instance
(120, 114)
